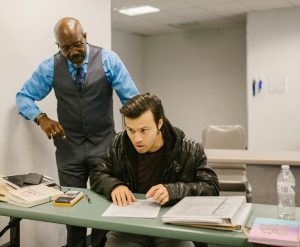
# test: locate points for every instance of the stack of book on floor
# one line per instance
(275, 232)
(27, 196)
(223, 212)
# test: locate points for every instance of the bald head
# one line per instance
(67, 26)
(71, 39)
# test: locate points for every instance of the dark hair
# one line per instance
(141, 103)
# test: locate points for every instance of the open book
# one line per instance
(223, 212)
(32, 195)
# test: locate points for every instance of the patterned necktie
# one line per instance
(79, 78)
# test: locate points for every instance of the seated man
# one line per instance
(155, 158)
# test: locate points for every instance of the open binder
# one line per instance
(223, 212)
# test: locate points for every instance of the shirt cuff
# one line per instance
(31, 114)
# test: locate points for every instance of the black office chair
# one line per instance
(232, 177)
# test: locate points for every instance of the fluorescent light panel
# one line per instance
(141, 10)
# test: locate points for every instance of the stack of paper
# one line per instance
(275, 232)
(224, 212)
(139, 209)
(4, 191)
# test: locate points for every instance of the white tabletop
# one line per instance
(253, 156)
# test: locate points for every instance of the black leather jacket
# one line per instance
(185, 171)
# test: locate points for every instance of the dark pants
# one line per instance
(74, 162)
(120, 239)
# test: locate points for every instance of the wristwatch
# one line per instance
(38, 117)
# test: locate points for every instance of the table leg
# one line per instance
(14, 227)
(15, 232)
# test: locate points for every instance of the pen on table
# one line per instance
(88, 199)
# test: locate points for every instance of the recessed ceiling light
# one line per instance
(141, 10)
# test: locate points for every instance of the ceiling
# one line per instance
(182, 15)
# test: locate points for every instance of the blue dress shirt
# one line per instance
(40, 83)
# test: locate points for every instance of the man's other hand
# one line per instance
(159, 193)
(122, 196)
(52, 128)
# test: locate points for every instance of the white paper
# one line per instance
(140, 209)
(277, 84)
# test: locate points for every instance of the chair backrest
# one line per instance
(232, 177)
(225, 137)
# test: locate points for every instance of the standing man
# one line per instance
(83, 77)
(155, 158)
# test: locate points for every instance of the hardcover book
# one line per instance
(276, 232)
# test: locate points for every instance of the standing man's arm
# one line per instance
(118, 76)
(35, 89)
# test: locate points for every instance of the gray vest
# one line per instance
(87, 114)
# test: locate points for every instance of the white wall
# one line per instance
(130, 48)
(27, 38)
(273, 51)
(200, 77)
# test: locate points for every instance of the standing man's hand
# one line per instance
(159, 193)
(122, 196)
(52, 128)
